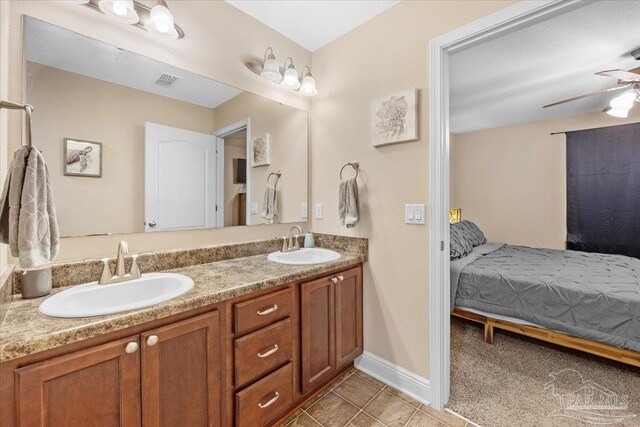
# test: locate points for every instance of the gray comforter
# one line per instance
(595, 296)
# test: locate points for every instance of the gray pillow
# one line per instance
(472, 233)
(459, 246)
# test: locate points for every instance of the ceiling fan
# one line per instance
(620, 105)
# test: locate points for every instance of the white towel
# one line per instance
(27, 212)
(349, 203)
(270, 203)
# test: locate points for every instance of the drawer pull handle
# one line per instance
(334, 280)
(152, 340)
(341, 278)
(269, 403)
(132, 347)
(268, 311)
(268, 353)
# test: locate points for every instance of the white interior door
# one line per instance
(180, 179)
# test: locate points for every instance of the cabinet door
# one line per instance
(317, 308)
(348, 316)
(181, 373)
(97, 387)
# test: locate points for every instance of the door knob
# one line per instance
(152, 224)
(132, 347)
(152, 340)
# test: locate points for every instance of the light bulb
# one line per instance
(308, 86)
(120, 10)
(161, 18)
(291, 80)
(624, 101)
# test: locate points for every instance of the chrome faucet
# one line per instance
(290, 243)
(120, 274)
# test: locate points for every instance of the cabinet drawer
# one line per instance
(262, 311)
(262, 351)
(266, 400)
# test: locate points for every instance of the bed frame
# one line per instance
(629, 357)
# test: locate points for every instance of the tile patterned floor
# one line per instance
(358, 400)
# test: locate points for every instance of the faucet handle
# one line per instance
(106, 272)
(134, 271)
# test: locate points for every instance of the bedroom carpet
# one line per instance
(504, 384)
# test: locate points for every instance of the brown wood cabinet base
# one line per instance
(247, 361)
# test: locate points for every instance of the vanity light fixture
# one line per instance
(308, 87)
(290, 79)
(120, 10)
(157, 20)
(270, 67)
(161, 21)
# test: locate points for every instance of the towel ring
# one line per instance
(354, 165)
(277, 174)
(28, 109)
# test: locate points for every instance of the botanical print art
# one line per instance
(394, 118)
(82, 158)
(261, 151)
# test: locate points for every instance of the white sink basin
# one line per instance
(92, 299)
(305, 256)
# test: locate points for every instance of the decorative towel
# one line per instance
(349, 203)
(27, 212)
(270, 203)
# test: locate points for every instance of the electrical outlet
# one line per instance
(303, 210)
(414, 214)
(254, 207)
(318, 210)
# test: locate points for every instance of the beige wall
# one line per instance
(79, 107)
(218, 36)
(511, 181)
(288, 129)
(4, 87)
(383, 56)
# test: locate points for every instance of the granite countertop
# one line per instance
(25, 331)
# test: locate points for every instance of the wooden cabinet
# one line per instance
(97, 387)
(181, 373)
(331, 325)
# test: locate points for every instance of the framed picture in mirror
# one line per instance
(82, 158)
(261, 150)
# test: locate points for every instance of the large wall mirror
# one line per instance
(135, 145)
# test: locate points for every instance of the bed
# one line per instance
(586, 301)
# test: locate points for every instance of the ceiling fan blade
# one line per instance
(575, 98)
(622, 75)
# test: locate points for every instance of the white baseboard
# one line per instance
(395, 376)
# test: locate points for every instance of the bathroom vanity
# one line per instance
(251, 342)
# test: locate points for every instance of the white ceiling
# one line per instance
(508, 79)
(313, 23)
(57, 47)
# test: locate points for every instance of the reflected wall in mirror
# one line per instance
(176, 147)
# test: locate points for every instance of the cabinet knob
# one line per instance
(341, 278)
(270, 402)
(334, 280)
(152, 340)
(132, 347)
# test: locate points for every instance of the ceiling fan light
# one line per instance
(620, 113)
(624, 101)
(120, 10)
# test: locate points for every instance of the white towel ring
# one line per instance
(277, 174)
(354, 165)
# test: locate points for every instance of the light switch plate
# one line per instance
(318, 210)
(414, 214)
(254, 207)
(303, 210)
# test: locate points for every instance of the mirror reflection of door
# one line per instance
(235, 178)
(180, 179)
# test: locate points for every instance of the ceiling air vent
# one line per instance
(166, 81)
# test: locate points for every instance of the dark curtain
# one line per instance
(603, 190)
